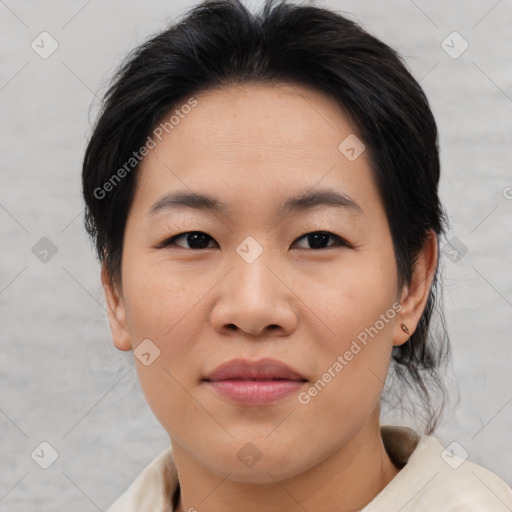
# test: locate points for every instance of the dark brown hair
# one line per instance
(220, 42)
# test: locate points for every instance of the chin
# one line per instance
(251, 466)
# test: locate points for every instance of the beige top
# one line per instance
(431, 479)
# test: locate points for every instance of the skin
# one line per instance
(253, 147)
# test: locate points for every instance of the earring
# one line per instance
(404, 328)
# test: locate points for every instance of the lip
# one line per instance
(254, 382)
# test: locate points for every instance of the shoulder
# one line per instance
(434, 478)
(461, 485)
(152, 489)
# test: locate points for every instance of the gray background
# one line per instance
(62, 379)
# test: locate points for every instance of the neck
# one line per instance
(346, 481)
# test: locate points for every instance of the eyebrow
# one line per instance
(302, 202)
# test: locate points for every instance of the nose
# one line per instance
(255, 298)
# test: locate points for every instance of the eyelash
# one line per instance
(339, 241)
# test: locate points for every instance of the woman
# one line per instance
(263, 195)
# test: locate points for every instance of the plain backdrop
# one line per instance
(62, 380)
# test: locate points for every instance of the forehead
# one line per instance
(252, 119)
(254, 139)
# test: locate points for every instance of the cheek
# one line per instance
(164, 306)
(352, 366)
(357, 318)
(166, 392)
(161, 297)
(339, 307)
(351, 296)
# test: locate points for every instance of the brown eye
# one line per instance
(197, 240)
(194, 239)
(319, 239)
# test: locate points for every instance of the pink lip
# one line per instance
(255, 382)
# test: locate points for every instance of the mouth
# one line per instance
(254, 382)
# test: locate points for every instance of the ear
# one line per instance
(116, 312)
(414, 297)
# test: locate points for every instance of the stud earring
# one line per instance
(404, 328)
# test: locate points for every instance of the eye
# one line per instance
(317, 239)
(195, 239)
(199, 240)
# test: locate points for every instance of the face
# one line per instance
(255, 281)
